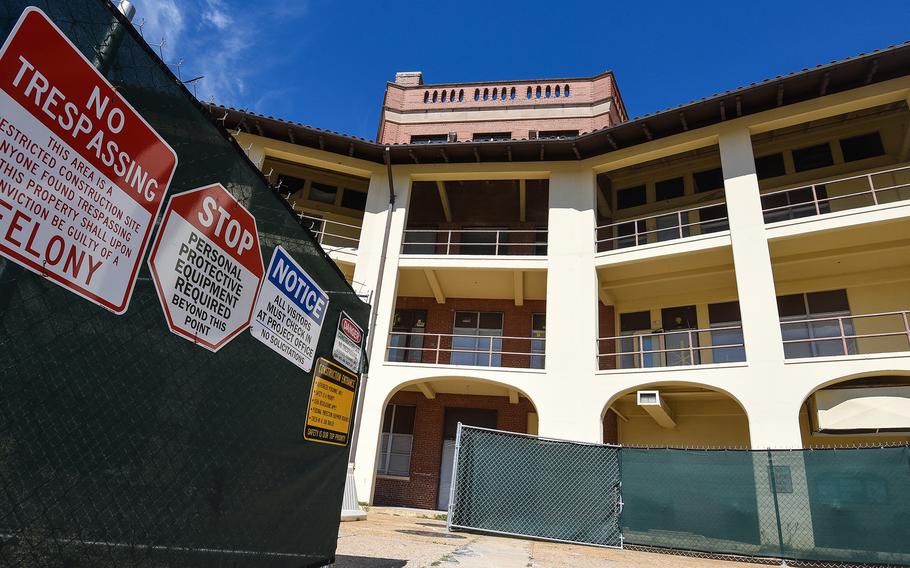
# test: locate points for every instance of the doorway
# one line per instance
(469, 417)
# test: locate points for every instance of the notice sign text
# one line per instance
(331, 405)
(290, 311)
(82, 175)
(207, 266)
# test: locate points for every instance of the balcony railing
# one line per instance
(469, 350)
(886, 332)
(332, 234)
(475, 241)
(875, 188)
(682, 348)
(660, 227)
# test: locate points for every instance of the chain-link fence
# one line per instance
(122, 444)
(810, 506)
(522, 485)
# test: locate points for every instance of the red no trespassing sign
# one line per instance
(82, 174)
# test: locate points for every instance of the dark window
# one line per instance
(408, 330)
(862, 147)
(477, 339)
(551, 134)
(670, 188)
(709, 180)
(290, 183)
(322, 192)
(827, 302)
(813, 157)
(483, 240)
(490, 136)
(538, 335)
(635, 321)
(681, 347)
(770, 166)
(469, 417)
(631, 197)
(404, 419)
(351, 199)
(713, 219)
(680, 317)
(429, 138)
(724, 312)
(791, 305)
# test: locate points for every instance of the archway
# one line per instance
(417, 434)
(858, 410)
(676, 415)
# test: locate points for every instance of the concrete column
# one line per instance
(768, 407)
(754, 277)
(366, 272)
(571, 310)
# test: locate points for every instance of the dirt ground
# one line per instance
(395, 538)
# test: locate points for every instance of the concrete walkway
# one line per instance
(396, 538)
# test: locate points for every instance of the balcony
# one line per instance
(466, 350)
(864, 190)
(837, 336)
(480, 241)
(662, 227)
(683, 348)
(332, 235)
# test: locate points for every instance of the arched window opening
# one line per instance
(538, 91)
(476, 94)
(548, 91)
(556, 91)
(495, 93)
(566, 91)
(444, 93)
(512, 93)
(529, 92)
(452, 96)
(426, 96)
(460, 95)
(435, 96)
(486, 94)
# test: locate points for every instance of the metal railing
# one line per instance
(660, 227)
(681, 348)
(862, 334)
(492, 242)
(818, 198)
(333, 234)
(468, 350)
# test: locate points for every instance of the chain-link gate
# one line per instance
(122, 444)
(823, 507)
(523, 485)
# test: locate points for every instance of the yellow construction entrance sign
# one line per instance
(331, 404)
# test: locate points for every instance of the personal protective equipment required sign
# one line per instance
(328, 418)
(82, 175)
(207, 266)
(290, 311)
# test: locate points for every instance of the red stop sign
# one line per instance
(207, 266)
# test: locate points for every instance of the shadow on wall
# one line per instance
(345, 561)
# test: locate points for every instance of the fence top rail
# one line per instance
(467, 336)
(542, 438)
(867, 175)
(712, 203)
(672, 332)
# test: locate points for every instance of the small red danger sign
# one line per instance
(207, 266)
(82, 175)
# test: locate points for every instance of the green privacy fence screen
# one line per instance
(123, 444)
(828, 506)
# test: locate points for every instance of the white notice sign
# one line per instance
(290, 311)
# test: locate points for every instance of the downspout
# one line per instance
(373, 310)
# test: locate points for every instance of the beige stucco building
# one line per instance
(734, 272)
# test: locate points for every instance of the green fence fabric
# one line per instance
(122, 444)
(811, 506)
(522, 485)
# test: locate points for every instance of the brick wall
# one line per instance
(441, 319)
(421, 488)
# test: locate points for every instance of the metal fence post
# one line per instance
(780, 533)
(452, 492)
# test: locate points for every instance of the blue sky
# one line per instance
(325, 63)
